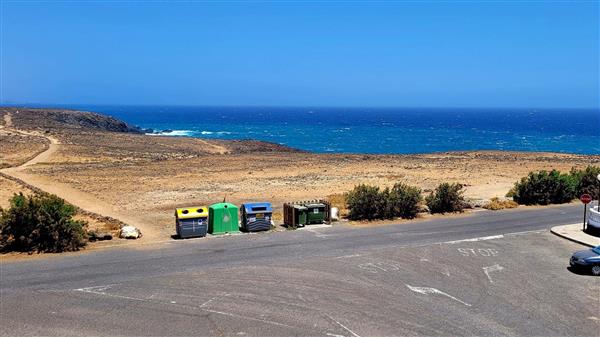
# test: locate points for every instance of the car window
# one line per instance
(596, 250)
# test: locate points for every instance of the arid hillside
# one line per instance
(108, 167)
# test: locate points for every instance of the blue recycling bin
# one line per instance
(256, 216)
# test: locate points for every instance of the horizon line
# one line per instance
(51, 105)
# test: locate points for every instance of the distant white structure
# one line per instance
(594, 217)
(594, 214)
(334, 214)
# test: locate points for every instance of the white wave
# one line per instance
(213, 132)
(173, 133)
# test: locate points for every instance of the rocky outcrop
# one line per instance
(73, 126)
(253, 146)
(48, 119)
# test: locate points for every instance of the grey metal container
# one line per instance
(256, 216)
(191, 222)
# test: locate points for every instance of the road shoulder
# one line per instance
(575, 233)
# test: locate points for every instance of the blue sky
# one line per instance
(406, 54)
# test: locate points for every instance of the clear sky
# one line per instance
(403, 54)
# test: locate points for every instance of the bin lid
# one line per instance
(258, 207)
(300, 207)
(191, 212)
(223, 205)
(316, 205)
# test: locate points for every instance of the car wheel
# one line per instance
(596, 270)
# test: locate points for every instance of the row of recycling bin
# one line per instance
(222, 217)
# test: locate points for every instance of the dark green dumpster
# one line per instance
(223, 218)
(316, 213)
(300, 215)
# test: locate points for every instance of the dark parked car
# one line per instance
(587, 259)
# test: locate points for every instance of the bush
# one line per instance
(543, 188)
(446, 198)
(366, 203)
(403, 201)
(41, 223)
(496, 204)
(587, 181)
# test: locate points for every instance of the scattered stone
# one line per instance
(130, 232)
(93, 236)
(106, 236)
(475, 203)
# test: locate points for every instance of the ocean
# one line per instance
(376, 130)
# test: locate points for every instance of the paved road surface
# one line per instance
(424, 278)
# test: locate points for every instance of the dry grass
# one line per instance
(8, 188)
(496, 204)
(338, 200)
(277, 216)
(15, 149)
(154, 180)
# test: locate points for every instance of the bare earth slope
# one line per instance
(109, 167)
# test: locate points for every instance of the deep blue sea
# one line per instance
(376, 130)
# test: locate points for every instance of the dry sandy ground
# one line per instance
(141, 179)
(16, 148)
(20, 149)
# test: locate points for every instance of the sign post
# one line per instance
(598, 205)
(585, 199)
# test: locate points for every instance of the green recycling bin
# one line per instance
(316, 213)
(223, 218)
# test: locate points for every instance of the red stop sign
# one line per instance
(586, 198)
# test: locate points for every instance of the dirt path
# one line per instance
(217, 148)
(8, 120)
(83, 200)
(42, 156)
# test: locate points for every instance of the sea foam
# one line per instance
(180, 133)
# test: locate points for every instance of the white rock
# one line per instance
(129, 232)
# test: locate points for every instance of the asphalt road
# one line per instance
(488, 274)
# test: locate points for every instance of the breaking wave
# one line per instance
(215, 132)
(188, 133)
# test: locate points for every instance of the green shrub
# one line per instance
(543, 188)
(403, 201)
(587, 181)
(41, 223)
(366, 203)
(446, 198)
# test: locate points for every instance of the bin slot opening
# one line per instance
(258, 209)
